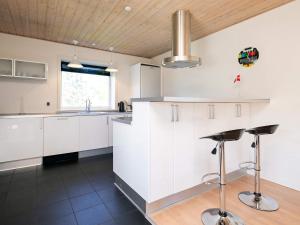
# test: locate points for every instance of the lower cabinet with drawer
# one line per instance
(34, 137)
(61, 135)
(21, 138)
(93, 132)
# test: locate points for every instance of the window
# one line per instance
(89, 82)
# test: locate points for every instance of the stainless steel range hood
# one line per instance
(181, 43)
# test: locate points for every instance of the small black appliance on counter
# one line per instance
(121, 106)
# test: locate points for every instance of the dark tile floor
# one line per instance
(80, 193)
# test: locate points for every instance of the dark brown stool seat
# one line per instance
(256, 199)
(231, 135)
(220, 216)
(270, 129)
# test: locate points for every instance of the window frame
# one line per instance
(112, 90)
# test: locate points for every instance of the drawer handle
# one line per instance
(211, 112)
(62, 118)
(238, 108)
(172, 119)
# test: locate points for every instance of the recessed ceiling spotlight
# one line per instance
(94, 44)
(127, 8)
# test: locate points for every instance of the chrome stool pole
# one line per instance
(220, 216)
(255, 199)
(222, 189)
(257, 168)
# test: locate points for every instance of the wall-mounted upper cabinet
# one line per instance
(23, 69)
(6, 67)
(27, 69)
(145, 81)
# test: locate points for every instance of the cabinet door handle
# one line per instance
(177, 113)
(107, 120)
(172, 106)
(211, 111)
(42, 124)
(236, 110)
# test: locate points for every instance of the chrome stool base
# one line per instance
(212, 217)
(265, 203)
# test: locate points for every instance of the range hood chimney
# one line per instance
(181, 42)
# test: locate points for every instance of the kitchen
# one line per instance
(68, 156)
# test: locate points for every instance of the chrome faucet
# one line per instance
(88, 105)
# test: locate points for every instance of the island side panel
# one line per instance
(131, 150)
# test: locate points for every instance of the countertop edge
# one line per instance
(201, 100)
(125, 120)
(61, 115)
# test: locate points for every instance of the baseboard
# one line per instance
(138, 201)
(189, 193)
(38, 160)
(61, 158)
(20, 163)
(133, 197)
(95, 152)
(148, 208)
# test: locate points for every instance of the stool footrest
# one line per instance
(249, 165)
(216, 176)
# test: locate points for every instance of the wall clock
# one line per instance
(248, 56)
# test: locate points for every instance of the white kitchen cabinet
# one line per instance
(6, 67)
(214, 118)
(180, 158)
(171, 156)
(23, 69)
(28, 69)
(145, 81)
(226, 116)
(207, 117)
(61, 135)
(183, 146)
(238, 151)
(21, 138)
(94, 132)
(161, 154)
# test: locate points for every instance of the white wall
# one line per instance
(36, 93)
(276, 34)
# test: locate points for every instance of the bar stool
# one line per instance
(255, 199)
(220, 216)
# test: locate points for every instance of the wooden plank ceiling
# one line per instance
(145, 31)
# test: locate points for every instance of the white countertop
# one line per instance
(125, 120)
(60, 114)
(200, 100)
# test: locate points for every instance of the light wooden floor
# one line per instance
(189, 211)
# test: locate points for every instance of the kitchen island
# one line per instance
(159, 158)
